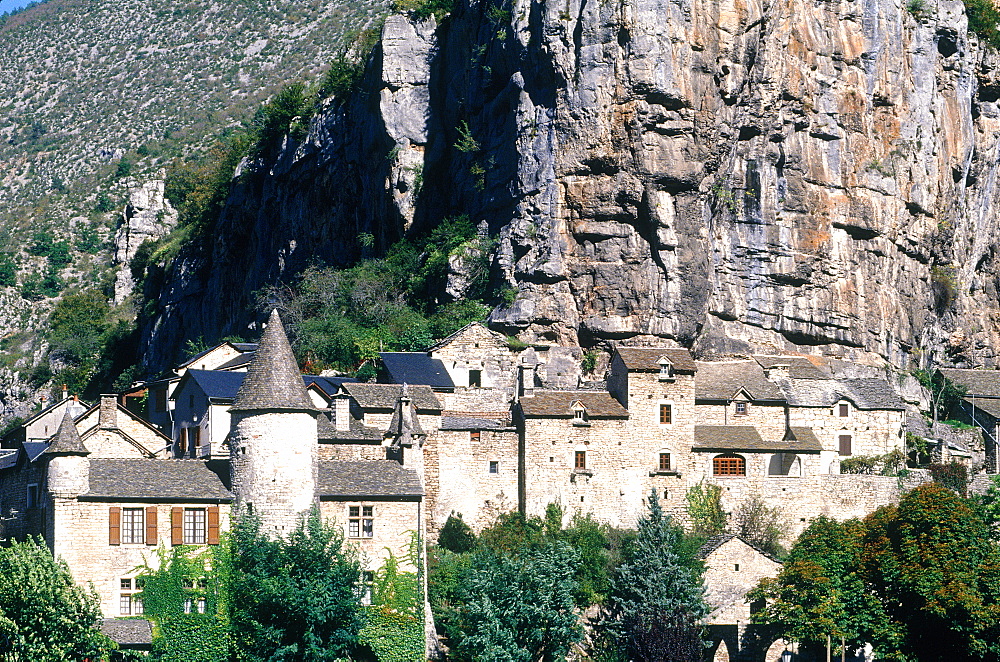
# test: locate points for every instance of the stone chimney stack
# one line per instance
(65, 392)
(527, 377)
(342, 412)
(107, 419)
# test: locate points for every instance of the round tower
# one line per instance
(69, 467)
(273, 438)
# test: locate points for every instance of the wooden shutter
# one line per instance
(176, 526)
(213, 525)
(845, 444)
(114, 525)
(151, 525)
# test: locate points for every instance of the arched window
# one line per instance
(784, 464)
(729, 465)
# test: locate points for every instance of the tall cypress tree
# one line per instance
(657, 596)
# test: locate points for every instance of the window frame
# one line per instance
(729, 465)
(741, 404)
(666, 408)
(475, 377)
(361, 521)
(663, 461)
(493, 467)
(579, 460)
(195, 529)
(843, 410)
(841, 439)
(132, 526)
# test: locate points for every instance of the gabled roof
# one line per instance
(559, 404)
(326, 430)
(416, 368)
(160, 481)
(385, 396)
(871, 393)
(329, 385)
(8, 458)
(404, 424)
(746, 438)
(980, 383)
(33, 449)
(240, 361)
(66, 440)
(478, 326)
(799, 367)
(647, 359)
(216, 384)
(241, 347)
(723, 380)
(369, 478)
(715, 542)
(273, 380)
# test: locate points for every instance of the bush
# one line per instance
(421, 10)
(8, 270)
(954, 476)
(705, 509)
(456, 535)
(983, 20)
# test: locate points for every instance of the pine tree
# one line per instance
(657, 596)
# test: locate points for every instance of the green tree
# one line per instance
(705, 509)
(394, 623)
(821, 590)
(936, 572)
(988, 507)
(8, 270)
(77, 324)
(518, 608)
(294, 599)
(656, 596)
(44, 615)
(456, 535)
(945, 394)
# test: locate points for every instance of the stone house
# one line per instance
(980, 407)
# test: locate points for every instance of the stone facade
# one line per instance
(732, 568)
(395, 528)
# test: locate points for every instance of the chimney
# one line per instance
(65, 392)
(342, 412)
(108, 417)
(778, 372)
(527, 379)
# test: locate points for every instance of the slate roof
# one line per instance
(746, 438)
(646, 359)
(159, 480)
(872, 393)
(416, 368)
(326, 430)
(370, 478)
(237, 361)
(385, 396)
(865, 393)
(723, 380)
(129, 632)
(66, 440)
(216, 384)
(470, 423)
(988, 405)
(33, 449)
(799, 367)
(273, 380)
(8, 458)
(330, 385)
(447, 339)
(981, 383)
(404, 424)
(558, 404)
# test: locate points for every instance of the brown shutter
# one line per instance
(114, 525)
(213, 525)
(845, 444)
(176, 526)
(151, 525)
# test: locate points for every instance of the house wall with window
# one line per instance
(376, 526)
(767, 417)
(871, 431)
(477, 352)
(472, 471)
(106, 541)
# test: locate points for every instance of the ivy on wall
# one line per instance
(394, 623)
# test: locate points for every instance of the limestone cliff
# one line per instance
(714, 172)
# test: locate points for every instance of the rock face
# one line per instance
(147, 216)
(726, 174)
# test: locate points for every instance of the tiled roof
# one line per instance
(447, 339)
(237, 361)
(273, 380)
(159, 480)
(216, 384)
(989, 405)
(871, 393)
(66, 440)
(404, 424)
(723, 380)
(647, 358)
(330, 385)
(129, 632)
(799, 367)
(385, 396)
(327, 431)
(977, 382)
(746, 438)
(558, 404)
(416, 368)
(865, 393)
(470, 423)
(371, 478)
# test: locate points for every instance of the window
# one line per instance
(160, 399)
(741, 408)
(360, 521)
(578, 415)
(195, 437)
(494, 467)
(843, 410)
(195, 526)
(475, 378)
(666, 370)
(845, 444)
(580, 460)
(182, 441)
(474, 436)
(129, 602)
(666, 414)
(664, 462)
(729, 465)
(188, 603)
(201, 605)
(133, 527)
(32, 496)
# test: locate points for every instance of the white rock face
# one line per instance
(147, 216)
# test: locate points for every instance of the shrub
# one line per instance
(954, 476)
(8, 270)
(705, 509)
(984, 20)
(341, 78)
(456, 535)
(423, 9)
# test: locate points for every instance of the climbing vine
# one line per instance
(394, 623)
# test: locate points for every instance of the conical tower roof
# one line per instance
(273, 379)
(66, 440)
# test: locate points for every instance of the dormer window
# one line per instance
(666, 370)
(843, 410)
(579, 414)
(742, 408)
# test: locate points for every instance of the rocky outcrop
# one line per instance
(725, 174)
(148, 216)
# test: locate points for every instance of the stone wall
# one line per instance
(351, 452)
(731, 570)
(394, 524)
(477, 348)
